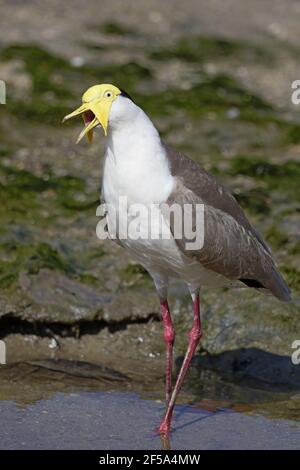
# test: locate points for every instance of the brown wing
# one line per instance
(232, 247)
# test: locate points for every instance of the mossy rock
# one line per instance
(282, 177)
(21, 194)
(51, 100)
(29, 258)
(212, 94)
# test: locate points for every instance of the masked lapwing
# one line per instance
(144, 172)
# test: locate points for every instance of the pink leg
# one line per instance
(194, 337)
(169, 336)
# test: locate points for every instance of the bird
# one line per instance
(140, 167)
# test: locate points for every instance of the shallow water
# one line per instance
(103, 420)
(61, 404)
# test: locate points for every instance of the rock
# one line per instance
(62, 299)
(52, 297)
(254, 366)
(243, 318)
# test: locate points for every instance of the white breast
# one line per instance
(136, 170)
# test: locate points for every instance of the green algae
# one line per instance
(38, 110)
(295, 249)
(41, 65)
(55, 85)
(28, 258)
(208, 48)
(292, 276)
(32, 199)
(278, 176)
(4, 150)
(49, 91)
(38, 201)
(291, 134)
(212, 94)
(276, 237)
(18, 194)
(45, 256)
(116, 29)
(55, 82)
(35, 57)
(134, 275)
(87, 278)
(258, 167)
(254, 200)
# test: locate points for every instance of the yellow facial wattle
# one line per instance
(95, 108)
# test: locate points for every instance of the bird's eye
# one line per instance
(108, 94)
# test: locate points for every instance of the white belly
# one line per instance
(158, 252)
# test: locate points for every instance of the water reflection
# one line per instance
(244, 381)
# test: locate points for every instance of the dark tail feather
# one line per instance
(278, 286)
(274, 284)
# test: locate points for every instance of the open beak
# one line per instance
(94, 113)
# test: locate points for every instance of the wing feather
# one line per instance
(232, 247)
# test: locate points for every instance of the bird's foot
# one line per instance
(164, 428)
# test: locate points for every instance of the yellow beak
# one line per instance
(100, 108)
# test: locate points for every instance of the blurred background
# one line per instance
(216, 78)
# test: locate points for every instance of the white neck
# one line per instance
(135, 162)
